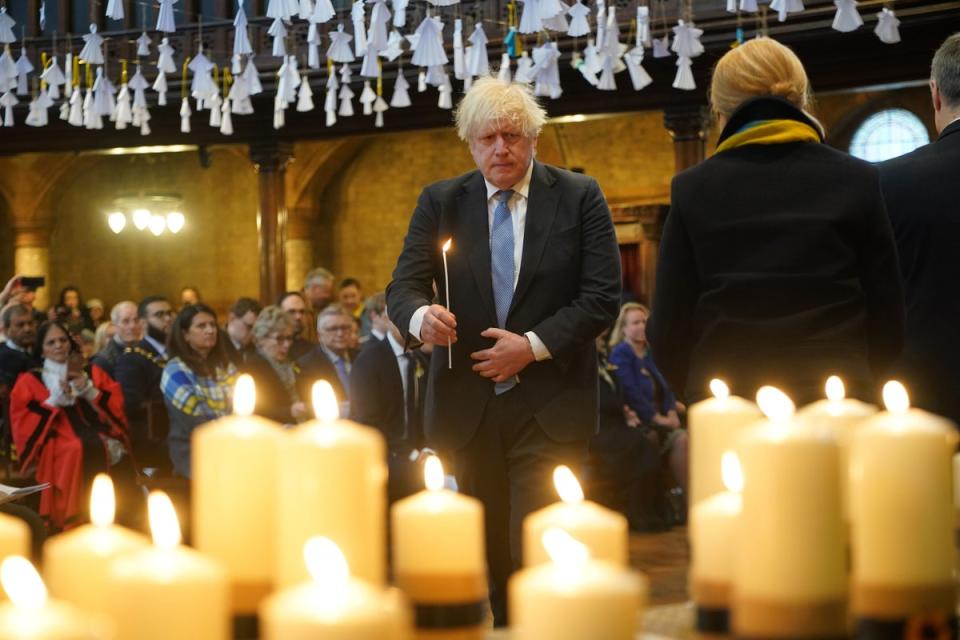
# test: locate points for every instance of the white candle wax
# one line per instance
(332, 483)
(714, 426)
(14, 536)
(235, 480)
(713, 536)
(603, 531)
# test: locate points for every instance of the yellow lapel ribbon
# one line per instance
(771, 132)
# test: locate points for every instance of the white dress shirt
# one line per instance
(401, 356)
(518, 216)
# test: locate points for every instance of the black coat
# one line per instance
(13, 363)
(138, 370)
(567, 293)
(273, 400)
(777, 266)
(922, 192)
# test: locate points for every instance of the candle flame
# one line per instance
(446, 245)
(244, 395)
(731, 472)
(775, 404)
(22, 583)
(433, 473)
(835, 389)
(325, 402)
(895, 397)
(719, 389)
(326, 564)
(564, 549)
(163, 520)
(103, 502)
(567, 485)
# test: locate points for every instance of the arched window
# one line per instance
(888, 134)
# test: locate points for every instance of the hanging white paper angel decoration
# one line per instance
(76, 109)
(346, 106)
(591, 58)
(367, 97)
(638, 75)
(579, 20)
(429, 50)
(379, 106)
(165, 58)
(399, 13)
(305, 9)
(279, 113)
(784, 7)
(445, 95)
(686, 40)
(91, 119)
(282, 10)
(359, 31)
(103, 104)
(67, 77)
(37, 116)
(477, 62)
(661, 46)
(323, 11)
(524, 72)
(139, 85)
(576, 61)
(226, 118)
(437, 74)
(330, 99)
(888, 27)
(530, 21)
(115, 9)
(394, 46)
(401, 89)
(643, 27)
(8, 101)
(546, 71)
(215, 104)
(278, 31)
(241, 38)
(503, 73)
(847, 18)
(601, 20)
(305, 96)
(313, 46)
(165, 19)
(459, 68)
(24, 68)
(160, 86)
(123, 115)
(92, 52)
(6, 27)
(202, 86)
(185, 114)
(143, 45)
(379, 19)
(340, 50)
(684, 78)
(54, 78)
(251, 79)
(239, 96)
(749, 6)
(8, 70)
(288, 79)
(558, 21)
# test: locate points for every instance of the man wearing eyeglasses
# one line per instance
(332, 359)
(138, 371)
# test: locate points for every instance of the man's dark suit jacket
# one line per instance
(377, 398)
(777, 266)
(107, 358)
(138, 371)
(568, 292)
(317, 366)
(922, 192)
(13, 363)
(273, 401)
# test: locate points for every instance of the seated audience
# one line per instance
(75, 314)
(97, 315)
(282, 393)
(87, 340)
(189, 295)
(293, 303)
(350, 296)
(239, 329)
(103, 336)
(318, 289)
(777, 263)
(68, 424)
(375, 323)
(332, 358)
(123, 316)
(197, 381)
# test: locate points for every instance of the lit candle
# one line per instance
(438, 557)
(603, 531)
(842, 416)
(74, 561)
(334, 605)
(790, 573)
(14, 536)
(713, 535)
(30, 615)
(446, 283)
(715, 425)
(235, 481)
(332, 483)
(902, 542)
(574, 597)
(168, 590)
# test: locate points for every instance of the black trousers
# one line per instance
(508, 466)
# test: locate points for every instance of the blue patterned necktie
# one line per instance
(501, 262)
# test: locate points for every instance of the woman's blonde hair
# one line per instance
(271, 319)
(493, 100)
(616, 336)
(759, 67)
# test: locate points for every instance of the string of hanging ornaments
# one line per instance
(223, 82)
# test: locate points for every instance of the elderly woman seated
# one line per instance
(282, 392)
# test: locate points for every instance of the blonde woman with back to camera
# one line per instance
(777, 263)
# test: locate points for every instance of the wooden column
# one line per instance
(688, 127)
(270, 162)
(652, 218)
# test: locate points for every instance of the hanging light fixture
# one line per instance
(141, 218)
(175, 221)
(117, 221)
(158, 225)
(148, 211)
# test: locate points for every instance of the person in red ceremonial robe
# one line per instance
(68, 425)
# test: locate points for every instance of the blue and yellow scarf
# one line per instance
(768, 120)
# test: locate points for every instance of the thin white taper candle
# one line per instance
(446, 284)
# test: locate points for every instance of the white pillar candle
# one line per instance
(713, 536)
(167, 590)
(843, 417)
(235, 480)
(902, 542)
(438, 555)
(603, 531)
(574, 597)
(14, 536)
(791, 578)
(332, 483)
(333, 605)
(30, 615)
(74, 561)
(714, 426)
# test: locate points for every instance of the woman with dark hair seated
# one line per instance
(68, 425)
(197, 381)
(76, 315)
(282, 393)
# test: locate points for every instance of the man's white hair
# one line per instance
(491, 100)
(118, 309)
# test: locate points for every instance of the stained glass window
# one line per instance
(888, 134)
